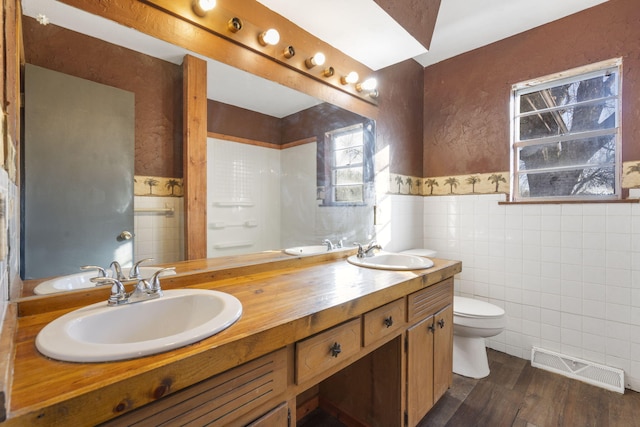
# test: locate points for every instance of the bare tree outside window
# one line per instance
(565, 139)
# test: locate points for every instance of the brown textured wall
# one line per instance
(466, 98)
(157, 86)
(315, 121)
(234, 121)
(399, 124)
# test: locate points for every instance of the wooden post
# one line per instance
(195, 156)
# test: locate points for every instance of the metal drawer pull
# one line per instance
(441, 323)
(388, 321)
(335, 349)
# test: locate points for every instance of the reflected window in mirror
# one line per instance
(347, 165)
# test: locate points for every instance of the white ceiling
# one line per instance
(461, 26)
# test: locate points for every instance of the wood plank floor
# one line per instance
(515, 394)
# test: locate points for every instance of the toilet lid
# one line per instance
(469, 307)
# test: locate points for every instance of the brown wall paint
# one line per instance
(157, 86)
(234, 121)
(399, 124)
(466, 98)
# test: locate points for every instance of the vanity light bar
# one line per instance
(267, 42)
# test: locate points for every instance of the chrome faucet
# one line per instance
(117, 270)
(329, 244)
(101, 271)
(363, 253)
(143, 291)
(134, 273)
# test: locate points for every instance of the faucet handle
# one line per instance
(134, 273)
(154, 282)
(360, 249)
(117, 270)
(101, 271)
(118, 292)
(328, 243)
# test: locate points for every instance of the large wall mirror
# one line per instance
(316, 182)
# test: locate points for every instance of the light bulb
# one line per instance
(367, 85)
(201, 7)
(352, 77)
(317, 59)
(269, 37)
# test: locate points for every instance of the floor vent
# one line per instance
(589, 372)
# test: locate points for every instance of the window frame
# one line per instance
(330, 136)
(554, 80)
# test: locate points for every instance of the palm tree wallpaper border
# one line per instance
(157, 186)
(480, 183)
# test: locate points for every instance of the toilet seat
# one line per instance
(473, 308)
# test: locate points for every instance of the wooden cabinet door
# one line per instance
(277, 417)
(442, 352)
(419, 370)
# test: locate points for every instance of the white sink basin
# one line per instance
(311, 250)
(82, 280)
(99, 333)
(392, 261)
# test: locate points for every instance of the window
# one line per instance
(565, 135)
(347, 163)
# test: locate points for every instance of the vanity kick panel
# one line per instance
(429, 300)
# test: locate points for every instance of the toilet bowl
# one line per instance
(473, 321)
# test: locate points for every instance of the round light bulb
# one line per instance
(201, 7)
(369, 84)
(271, 36)
(352, 77)
(319, 58)
(207, 5)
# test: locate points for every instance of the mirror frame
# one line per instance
(161, 25)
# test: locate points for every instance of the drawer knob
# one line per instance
(335, 349)
(388, 321)
(441, 323)
(431, 327)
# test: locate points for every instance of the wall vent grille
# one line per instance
(589, 372)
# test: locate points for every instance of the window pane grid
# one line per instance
(565, 137)
(567, 106)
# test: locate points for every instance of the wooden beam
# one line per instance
(195, 156)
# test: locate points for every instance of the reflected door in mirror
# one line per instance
(77, 191)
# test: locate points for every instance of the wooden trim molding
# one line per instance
(195, 157)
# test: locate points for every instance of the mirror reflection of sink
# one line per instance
(99, 333)
(311, 250)
(392, 261)
(82, 280)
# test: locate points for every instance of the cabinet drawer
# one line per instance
(427, 301)
(383, 321)
(327, 349)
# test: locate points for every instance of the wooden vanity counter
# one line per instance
(282, 303)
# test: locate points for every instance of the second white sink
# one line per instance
(392, 261)
(72, 282)
(99, 333)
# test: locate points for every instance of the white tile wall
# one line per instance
(567, 275)
(399, 222)
(158, 235)
(249, 175)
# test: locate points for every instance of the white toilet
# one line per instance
(473, 321)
